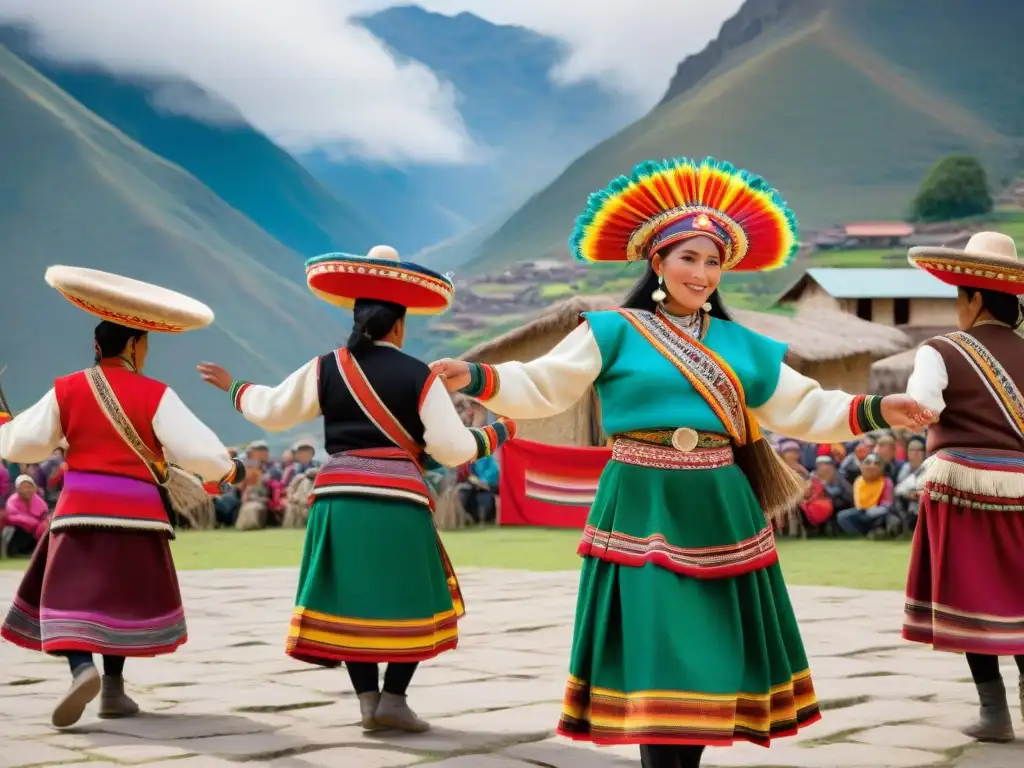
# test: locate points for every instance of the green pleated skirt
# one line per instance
(375, 584)
(684, 631)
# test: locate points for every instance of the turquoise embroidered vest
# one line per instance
(640, 389)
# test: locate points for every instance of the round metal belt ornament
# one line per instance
(685, 439)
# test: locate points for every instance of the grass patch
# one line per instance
(880, 257)
(557, 290)
(854, 563)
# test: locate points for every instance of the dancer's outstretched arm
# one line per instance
(292, 402)
(192, 445)
(296, 401)
(800, 408)
(543, 387)
(929, 379)
(447, 439)
(31, 436)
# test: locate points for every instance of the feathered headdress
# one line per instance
(662, 203)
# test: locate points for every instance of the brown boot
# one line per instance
(394, 712)
(368, 703)
(84, 687)
(114, 702)
(994, 723)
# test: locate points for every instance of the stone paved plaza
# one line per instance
(231, 696)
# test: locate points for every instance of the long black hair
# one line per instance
(372, 321)
(1004, 307)
(639, 296)
(111, 339)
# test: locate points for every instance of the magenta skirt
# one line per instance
(99, 590)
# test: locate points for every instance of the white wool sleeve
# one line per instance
(550, 384)
(445, 437)
(32, 435)
(188, 442)
(801, 409)
(929, 379)
(294, 401)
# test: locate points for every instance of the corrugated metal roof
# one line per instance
(857, 283)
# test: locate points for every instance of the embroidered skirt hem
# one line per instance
(701, 522)
(720, 562)
(686, 717)
(375, 584)
(966, 567)
(335, 638)
(98, 590)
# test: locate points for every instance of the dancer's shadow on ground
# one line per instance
(168, 728)
(236, 736)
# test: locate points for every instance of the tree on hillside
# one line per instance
(956, 187)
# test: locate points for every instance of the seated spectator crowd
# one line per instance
(869, 488)
(275, 492)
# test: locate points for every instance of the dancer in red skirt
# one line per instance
(102, 579)
(965, 591)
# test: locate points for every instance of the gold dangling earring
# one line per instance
(659, 294)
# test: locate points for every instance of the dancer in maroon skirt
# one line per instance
(965, 591)
(102, 579)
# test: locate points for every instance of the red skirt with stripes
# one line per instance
(964, 590)
(99, 590)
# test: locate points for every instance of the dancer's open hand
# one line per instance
(905, 411)
(215, 375)
(454, 373)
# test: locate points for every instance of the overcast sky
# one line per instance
(300, 72)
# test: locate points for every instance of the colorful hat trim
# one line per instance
(341, 278)
(128, 302)
(662, 203)
(988, 261)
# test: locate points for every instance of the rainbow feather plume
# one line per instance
(622, 220)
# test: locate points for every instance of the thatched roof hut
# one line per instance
(532, 340)
(833, 347)
(890, 374)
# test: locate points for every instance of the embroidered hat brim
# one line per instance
(128, 302)
(342, 278)
(974, 266)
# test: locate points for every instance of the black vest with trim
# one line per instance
(398, 380)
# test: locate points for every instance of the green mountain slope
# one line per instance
(841, 104)
(240, 164)
(74, 190)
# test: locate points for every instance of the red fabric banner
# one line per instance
(548, 485)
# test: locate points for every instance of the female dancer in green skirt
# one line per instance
(376, 585)
(684, 633)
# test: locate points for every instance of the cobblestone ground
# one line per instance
(231, 696)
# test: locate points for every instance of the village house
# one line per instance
(877, 234)
(907, 298)
(865, 234)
